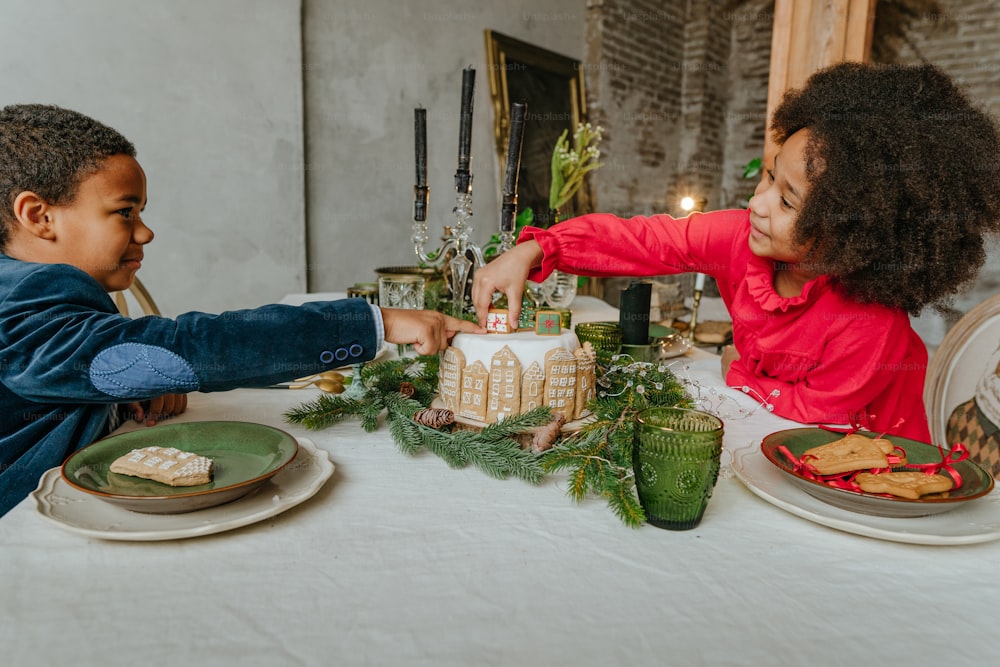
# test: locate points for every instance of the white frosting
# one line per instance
(527, 346)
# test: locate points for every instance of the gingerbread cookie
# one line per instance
(166, 465)
(905, 484)
(852, 452)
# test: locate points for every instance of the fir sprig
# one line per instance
(378, 389)
(599, 456)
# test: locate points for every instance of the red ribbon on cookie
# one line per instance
(957, 454)
(841, 480)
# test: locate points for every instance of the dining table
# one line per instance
(373, 556)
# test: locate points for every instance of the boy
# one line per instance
(70, 232)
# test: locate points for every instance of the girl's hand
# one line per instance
(507, 273)
(157, 409)
(729, 355)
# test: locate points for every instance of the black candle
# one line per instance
(420, 132)
(634, 313)
(465, 128)
(514, 148)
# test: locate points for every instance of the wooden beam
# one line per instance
(808, 36)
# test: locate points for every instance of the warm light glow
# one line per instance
(687, 203)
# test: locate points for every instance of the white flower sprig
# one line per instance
(570, 165)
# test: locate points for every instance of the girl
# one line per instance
(875, 206)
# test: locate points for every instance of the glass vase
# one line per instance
(559, 289)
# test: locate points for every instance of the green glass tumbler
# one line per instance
(606, 337)
(676, 457)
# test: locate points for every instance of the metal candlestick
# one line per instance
(694, 312)
(458, 256)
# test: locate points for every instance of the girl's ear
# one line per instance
(34, 215)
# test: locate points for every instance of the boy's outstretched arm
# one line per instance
(427, 330)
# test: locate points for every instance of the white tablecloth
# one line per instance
(400, 560)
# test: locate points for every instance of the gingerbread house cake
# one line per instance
(486, 377)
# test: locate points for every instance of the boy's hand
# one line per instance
(427, 330)
(157, 409)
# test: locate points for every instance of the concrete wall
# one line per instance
(210, 92)
(367, 66)
(250, 115)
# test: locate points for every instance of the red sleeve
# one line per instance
(601, 244)
(862, 375)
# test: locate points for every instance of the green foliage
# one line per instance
(524, 218)
(597, 459)
(494, 450)
(570, 165)
(599, 456)
(751, 171)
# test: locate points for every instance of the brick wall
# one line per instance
(634, 69)
(962, 37)
(681, 89)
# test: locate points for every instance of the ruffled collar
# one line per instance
(760, 285)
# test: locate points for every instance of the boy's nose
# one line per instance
(142, 233)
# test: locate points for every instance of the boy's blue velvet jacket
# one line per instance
(67, 357)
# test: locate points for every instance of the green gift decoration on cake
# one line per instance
(548, 323)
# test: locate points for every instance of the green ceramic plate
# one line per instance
(976, 482)
(244, 456)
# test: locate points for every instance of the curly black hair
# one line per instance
(904, 179)
(49, 150)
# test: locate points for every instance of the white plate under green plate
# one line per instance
(970, 523)
(85, 514)
(976, 482)
(244, 455)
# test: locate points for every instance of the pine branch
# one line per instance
(515, 424)
(598, 457)
(502, 458)
(443, 445)
(625, 504)
(406, 434)
(325, 411)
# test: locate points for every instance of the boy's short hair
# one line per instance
(49, 150)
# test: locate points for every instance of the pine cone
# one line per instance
(434, 417)
(407, 389)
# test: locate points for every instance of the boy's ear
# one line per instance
(34, 215)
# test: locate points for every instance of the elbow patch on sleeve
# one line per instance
(133, 370)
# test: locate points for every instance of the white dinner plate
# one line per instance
(973, 522)
(86, 514)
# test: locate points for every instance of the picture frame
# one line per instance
(552, 86)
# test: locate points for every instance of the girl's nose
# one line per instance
(757, 204)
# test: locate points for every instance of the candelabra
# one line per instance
(458, 257)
